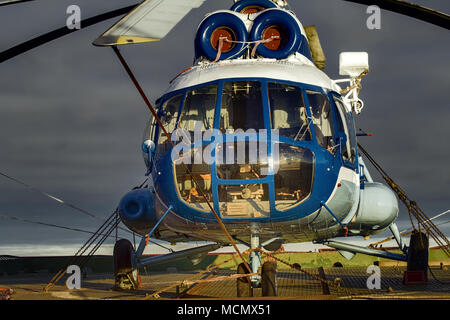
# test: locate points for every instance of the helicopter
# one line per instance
(283, 163)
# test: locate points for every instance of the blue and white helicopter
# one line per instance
(252, 144)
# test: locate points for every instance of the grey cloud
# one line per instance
(71, 121)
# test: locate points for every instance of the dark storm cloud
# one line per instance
(71, 122)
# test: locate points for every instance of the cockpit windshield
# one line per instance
(247, 161)
(198, 109)
(242, 106)
(287, 111)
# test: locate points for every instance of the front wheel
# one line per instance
(243, 285)
(269, 279)
(126, 273)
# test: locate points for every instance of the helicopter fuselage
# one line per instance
(269, 145)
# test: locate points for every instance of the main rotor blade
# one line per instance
(152, 20)
(61, 32)
(402, 7)
(410, 9)
(8, 2)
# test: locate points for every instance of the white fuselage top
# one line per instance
(295, 70)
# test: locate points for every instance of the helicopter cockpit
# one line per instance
(261, 137)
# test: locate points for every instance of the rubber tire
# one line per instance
(418, 253)
(239, 6)
(243, 285)
(203, 45)
(281, 18)
(123, 256)
(269, 279)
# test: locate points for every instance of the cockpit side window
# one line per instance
(346, 125)
(322, 119)
(287, 111)
(168, 115)
(198, 109)
(149, 131)
(242, 106)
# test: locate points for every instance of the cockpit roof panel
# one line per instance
(261, 68)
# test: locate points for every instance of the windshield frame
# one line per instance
(312, 144)
(264, 82)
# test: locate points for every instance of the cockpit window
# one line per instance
(168, 117)
(198, 109)
(242, 106)
(287, 111)
(294, 177)
(149, 131)
(347, 125)
(322, 119)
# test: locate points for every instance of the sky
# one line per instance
(71, 122)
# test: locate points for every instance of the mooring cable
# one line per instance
(61, 201)
(72, 206)
(45, 224)
(48, 195)
(412, 206)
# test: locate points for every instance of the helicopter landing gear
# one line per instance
(269, 279)
(126, 273)
(243, 285)
(266, 280)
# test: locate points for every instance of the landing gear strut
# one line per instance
(266, 280)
